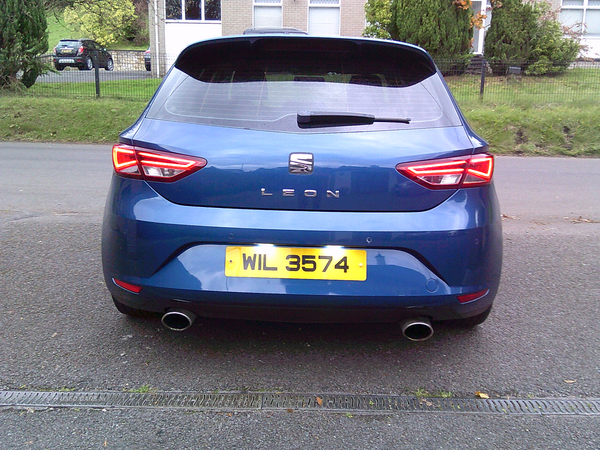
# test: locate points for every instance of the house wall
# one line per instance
(237, 16)
(352, 17)
(180, 34)
(156, 19)
(295, 14)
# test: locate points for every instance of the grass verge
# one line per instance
(568, 129)
(553, 130)
(65, 120)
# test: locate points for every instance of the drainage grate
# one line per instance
(305, 402)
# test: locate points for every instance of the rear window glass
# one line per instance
(69, 44)
(264, 83)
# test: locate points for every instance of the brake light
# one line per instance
(80, 51)
(451, 173)
(152, 165)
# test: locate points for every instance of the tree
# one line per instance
(23, 38)
(442, 27)
(510, 35)
(378, 14)
(106, 21)
(529, 36)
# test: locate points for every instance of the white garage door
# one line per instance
(324, 21)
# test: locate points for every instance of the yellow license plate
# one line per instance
(327, 263)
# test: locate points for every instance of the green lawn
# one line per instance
(57, 30)
(65, 120)
(519, 116)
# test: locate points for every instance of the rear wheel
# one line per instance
(87, 65)
(59, 67)
(109, 65)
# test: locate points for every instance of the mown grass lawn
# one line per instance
(522, 115)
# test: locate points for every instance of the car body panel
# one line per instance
(424, 247)
(249, 168)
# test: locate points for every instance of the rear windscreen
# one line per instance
(263, 83)
(69, 44)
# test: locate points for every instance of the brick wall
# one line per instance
(237, 16)
(352, 17)
(295, 14)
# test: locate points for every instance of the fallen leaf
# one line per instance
(581, 219)
(320, 401)
(481, 395)
(570, 381)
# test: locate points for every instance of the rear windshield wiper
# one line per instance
(324, 119)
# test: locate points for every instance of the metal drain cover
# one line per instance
(302, 402)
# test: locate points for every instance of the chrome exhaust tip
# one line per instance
(178, 319)
(417, 328)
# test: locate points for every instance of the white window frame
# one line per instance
(202, 12)
(585, 7)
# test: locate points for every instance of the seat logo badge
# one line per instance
(301, 163)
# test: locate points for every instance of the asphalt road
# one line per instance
(59, 330)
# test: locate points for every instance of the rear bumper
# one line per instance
(417, 263)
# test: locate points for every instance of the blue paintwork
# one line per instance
(181, 250)
(423, 247)
(361, 166)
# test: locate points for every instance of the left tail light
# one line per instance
(451, 173)
(80, 51)
(152, 165)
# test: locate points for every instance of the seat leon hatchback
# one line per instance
(304, 179)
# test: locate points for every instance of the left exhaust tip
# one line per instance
(178, 319)
(417, 328)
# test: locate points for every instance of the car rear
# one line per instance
(68, 53)
(297, 178)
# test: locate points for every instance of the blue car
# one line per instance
(303, 179)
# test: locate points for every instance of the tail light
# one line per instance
(80, 51)
(451, 173)
(152, 165)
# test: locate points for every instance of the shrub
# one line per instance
(529, 36)
(378, 14)
(551, 51)
(442, 27)
(23, 38)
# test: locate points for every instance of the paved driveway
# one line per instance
(59, 331)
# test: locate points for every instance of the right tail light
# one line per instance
(451, 173)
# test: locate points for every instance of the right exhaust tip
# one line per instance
(417, 328)
(178, 319)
